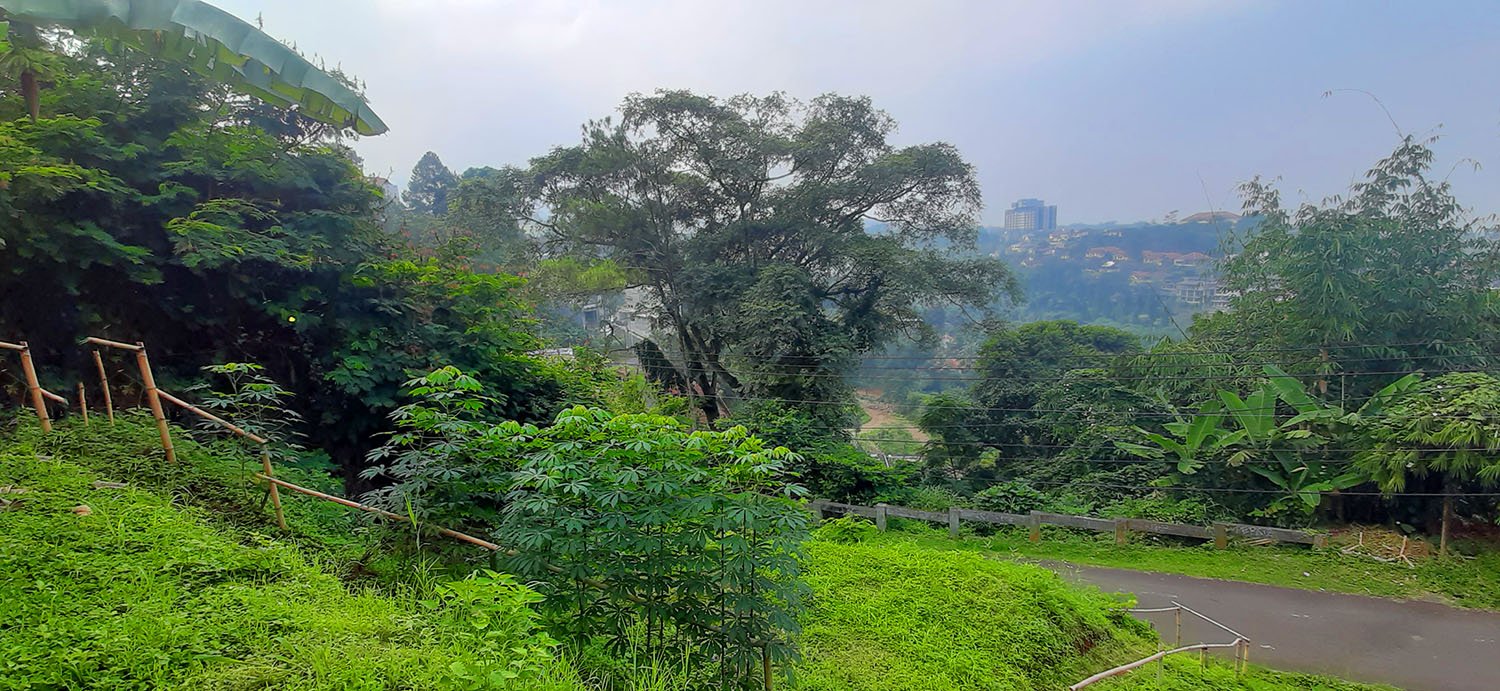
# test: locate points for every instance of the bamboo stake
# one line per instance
(115, 344)
(210, 417)
(83, 404)
(109, 405)
(265, 461)
(35, 387)
(153, 399)
(765, 665)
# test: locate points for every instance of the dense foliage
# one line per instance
(644, 532)
(147, 204)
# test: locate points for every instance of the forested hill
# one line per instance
(1137, 276)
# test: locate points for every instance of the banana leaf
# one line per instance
(214, 43)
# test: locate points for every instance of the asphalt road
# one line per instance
(1418, 646)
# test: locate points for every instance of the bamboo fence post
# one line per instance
(83, 404)
(109, 405)
(35, 387)
(153, 399)
(1177, 614)
(265, 460)
(765, 666)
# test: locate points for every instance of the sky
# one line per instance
(1112, 110)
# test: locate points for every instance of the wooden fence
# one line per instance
(1121, 527)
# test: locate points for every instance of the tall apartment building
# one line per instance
(1031, 214)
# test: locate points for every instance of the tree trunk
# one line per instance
(33, 94)
(1447, 517)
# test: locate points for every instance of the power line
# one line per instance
(1132, 413)
(1159, 354)
(856, 377)
(1227, 490)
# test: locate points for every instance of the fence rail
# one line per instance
(1121, 527)
(1240, 644)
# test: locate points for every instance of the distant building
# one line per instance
(1031, 214)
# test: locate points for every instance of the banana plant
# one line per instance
(1191, 442)
(1292, 454)
(195, 34)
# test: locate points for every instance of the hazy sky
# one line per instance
(1115, 109)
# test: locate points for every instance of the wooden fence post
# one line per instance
(953, 522)
(265, 461)
(765, 666)
(1036, 527)
(83, 404)
(1320, 541)
(35, 387)
(109, 404)
(880, 517)
(1177, 614)
(1122, 530)
(153, 399)
(1221, 536)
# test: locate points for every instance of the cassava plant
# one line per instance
(636, 521)
(437, 464)
(255, 402)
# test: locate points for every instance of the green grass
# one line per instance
(1460, 581)
(1184, 673)
(890, 616)
(140, 593)
(889, 613)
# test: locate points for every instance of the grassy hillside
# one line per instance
(890, 616)
(180, 581)
(889, 613)
(133, 592)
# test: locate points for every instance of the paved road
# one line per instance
(1418, 646)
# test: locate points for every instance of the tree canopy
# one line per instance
(171, 211)
(776, 240)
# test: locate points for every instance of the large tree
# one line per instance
(1395, 277)
(430, 185)
(777, 240)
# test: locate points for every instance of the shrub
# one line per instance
(694, 531)
(1161, 508)
(1011, 496)
(846, 474)
(927, 498)
(846, 530)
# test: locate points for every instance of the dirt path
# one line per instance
(882, 414)
(1418, 646)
